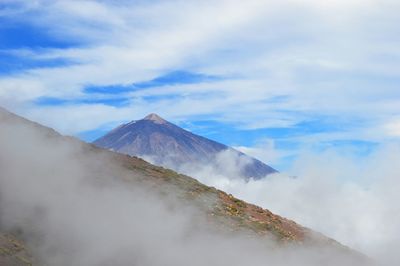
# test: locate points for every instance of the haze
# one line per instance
(310, 88)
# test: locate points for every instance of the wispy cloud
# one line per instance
(283, 63)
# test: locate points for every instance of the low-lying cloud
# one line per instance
(73, 208)
(351, 200)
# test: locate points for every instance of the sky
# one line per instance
(271, 78)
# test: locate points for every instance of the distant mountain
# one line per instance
(169, 145)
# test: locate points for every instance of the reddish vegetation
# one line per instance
(234, 213)
(262, 221)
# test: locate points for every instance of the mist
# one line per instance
(75, 206)
(352, 200)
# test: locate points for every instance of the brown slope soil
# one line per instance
(13, 251)
(225, 211)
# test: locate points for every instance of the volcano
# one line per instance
(163, 143)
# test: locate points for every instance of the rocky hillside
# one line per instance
(224, 212)
(13, 251)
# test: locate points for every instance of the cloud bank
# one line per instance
(73, 207)
(350, 199)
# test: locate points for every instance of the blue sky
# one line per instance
(275, 79)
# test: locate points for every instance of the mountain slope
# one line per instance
(236, 213)
(13, 252)
(223, 212)
(167, 144)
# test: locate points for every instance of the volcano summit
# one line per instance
(166, 144)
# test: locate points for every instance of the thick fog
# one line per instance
(72, 207)
(352, 200)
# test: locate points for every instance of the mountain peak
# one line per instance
(155, 118)
(169, 145)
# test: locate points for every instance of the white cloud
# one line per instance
(350, 199)
(392, 128)
(327, 57)
(76, 118)
(265, 151)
